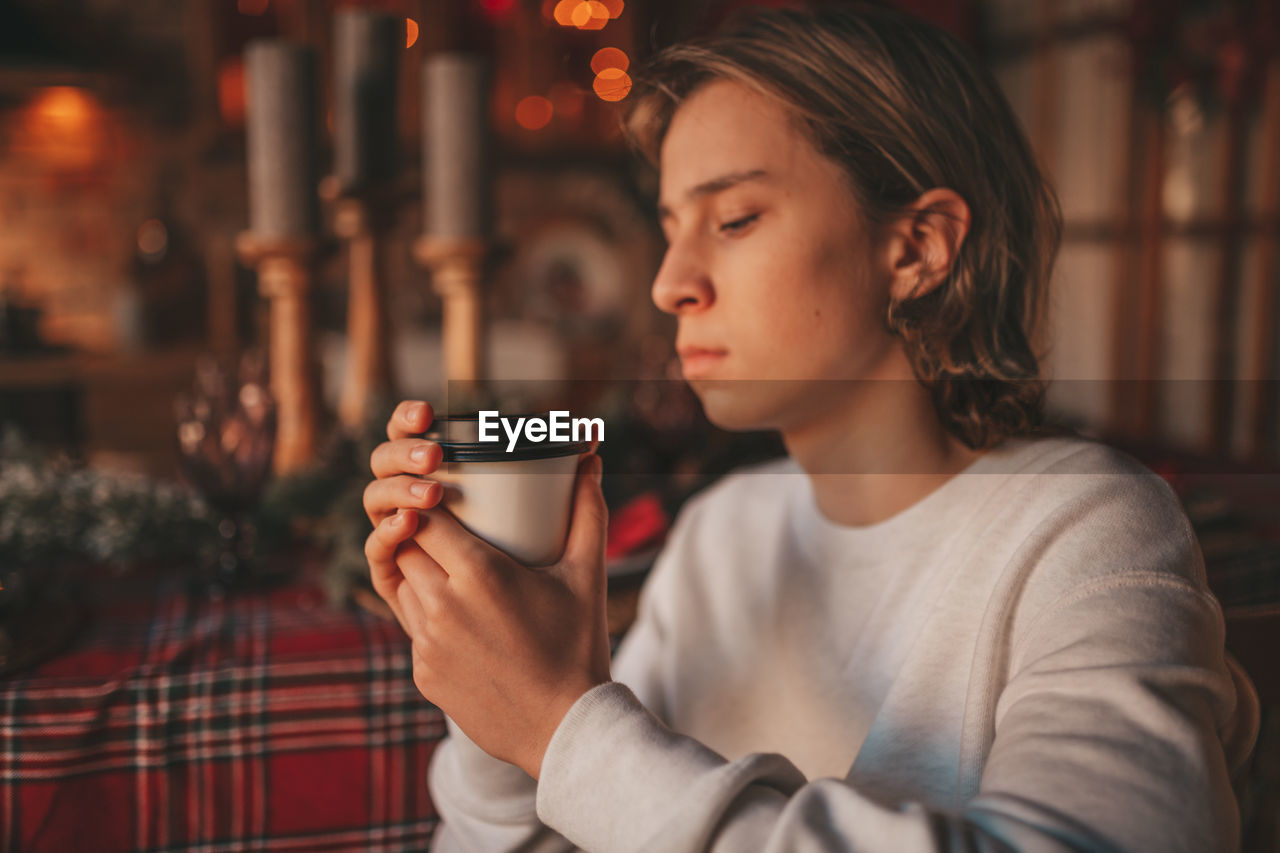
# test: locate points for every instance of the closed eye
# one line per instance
(738, 224)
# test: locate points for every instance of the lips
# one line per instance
(698, 361)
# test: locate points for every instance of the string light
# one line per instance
(609, 57)
(563, 12)
(612, 84)
(590, 15)
(534, 112)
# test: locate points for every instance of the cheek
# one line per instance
(805, 301)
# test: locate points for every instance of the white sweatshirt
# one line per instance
(1026, 658)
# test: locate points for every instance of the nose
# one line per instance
(682, 283)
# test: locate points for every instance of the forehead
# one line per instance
(723, 127)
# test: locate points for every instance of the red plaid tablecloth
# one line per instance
(255, 722)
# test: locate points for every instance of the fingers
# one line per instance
(422, 574)
(405, 456)
(443, 537)
(588, 528)
(414, 616)
(383, 497)
(411, 417)
(380, 551)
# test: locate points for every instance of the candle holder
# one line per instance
(362, 220)
(284, 277)
(457, 266)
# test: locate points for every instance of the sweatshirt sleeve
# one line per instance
(488, 805)
(1108, 735)
(485, 804)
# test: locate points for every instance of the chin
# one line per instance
(746, 405)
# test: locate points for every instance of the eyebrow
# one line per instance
(715, 185)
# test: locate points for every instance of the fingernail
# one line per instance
(419, 490)
(415, 413)
(398, 518)
(419, 453)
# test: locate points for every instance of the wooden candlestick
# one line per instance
(284, 277)
(457, 210)
(368, 375)
(456, 270)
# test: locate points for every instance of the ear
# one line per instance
(924, 241)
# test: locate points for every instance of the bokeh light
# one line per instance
(65, 109)
(497, 8)
(65, 126)
(612, 84)
(410, 32)
(563, 12)
(153, 239)
(534, 112)
(590, 15)
(231, 100)
(609, 57)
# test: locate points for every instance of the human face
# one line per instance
(770, 269)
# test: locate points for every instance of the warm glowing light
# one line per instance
(153, 239)
(563, 12)
(65, 108)
(410, 32)
(534, 112)
(615, 7)
(231, 103)
(609, 57)
(590, 15)
(65, 126)
(252, 7)
(612, 84)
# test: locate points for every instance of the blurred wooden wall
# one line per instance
(1159, 123)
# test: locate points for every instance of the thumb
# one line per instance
(589, 526)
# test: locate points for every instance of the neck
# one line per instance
(878, 450)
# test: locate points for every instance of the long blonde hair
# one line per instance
(903, 107)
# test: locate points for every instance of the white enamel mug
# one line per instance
(517, 500)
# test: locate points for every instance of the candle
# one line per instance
(281, 92)
(455, 140)
(367, 48)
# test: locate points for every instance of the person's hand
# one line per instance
(503, 649)
(400, 466)
(510, 648)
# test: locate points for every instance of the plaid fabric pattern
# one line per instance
(259, 721)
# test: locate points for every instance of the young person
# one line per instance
(933, 626)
